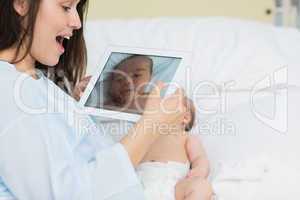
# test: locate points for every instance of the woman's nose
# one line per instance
(75, 22)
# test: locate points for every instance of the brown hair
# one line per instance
(72, 63)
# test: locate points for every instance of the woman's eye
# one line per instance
(66, 8)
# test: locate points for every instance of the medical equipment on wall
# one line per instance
(287, 13)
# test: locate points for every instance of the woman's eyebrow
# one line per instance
(65, 1)
(71, 1)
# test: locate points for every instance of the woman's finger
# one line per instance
(180, 92)
(83, 84)
(178, 98)
(87, 78)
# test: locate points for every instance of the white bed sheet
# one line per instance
(225, 50)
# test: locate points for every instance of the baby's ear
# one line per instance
(21, 7)
(187, 118)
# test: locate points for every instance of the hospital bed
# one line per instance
(251, 128)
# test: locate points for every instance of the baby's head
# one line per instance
(130, 77)
(189, 117)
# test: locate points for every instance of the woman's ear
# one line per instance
(21, 7)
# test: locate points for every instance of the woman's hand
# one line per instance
(165, 114)
(80, 87)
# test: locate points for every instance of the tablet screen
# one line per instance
(127, 79)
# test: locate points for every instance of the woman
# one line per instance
(48, 148)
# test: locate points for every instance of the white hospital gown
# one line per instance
(47, 151)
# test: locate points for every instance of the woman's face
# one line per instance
(56, 21)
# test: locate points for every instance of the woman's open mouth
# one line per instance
(59, 41)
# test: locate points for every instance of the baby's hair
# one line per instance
(149, 60)
(191, 108)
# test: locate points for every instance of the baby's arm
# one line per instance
(195, 186)
(197, 157)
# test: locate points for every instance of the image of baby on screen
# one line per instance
(127, 83)
(126, 79)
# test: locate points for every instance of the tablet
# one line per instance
(125, 75)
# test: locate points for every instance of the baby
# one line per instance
(167, 161)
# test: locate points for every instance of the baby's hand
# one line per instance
(194, 188)
(197, 158)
